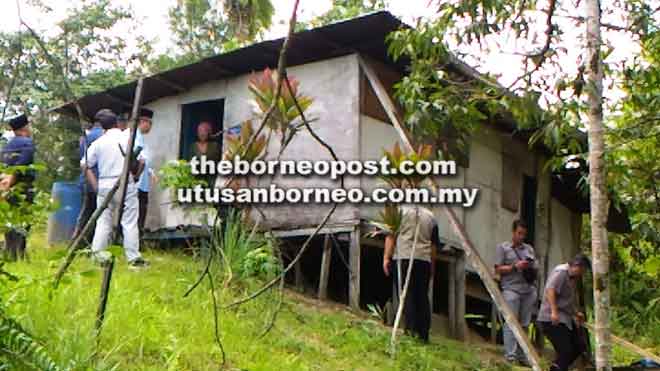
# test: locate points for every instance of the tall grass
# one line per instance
(150, 326)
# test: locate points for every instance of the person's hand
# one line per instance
(579, 318)
(4, 183)
(522, 264)
(386, 266)
(554, 317)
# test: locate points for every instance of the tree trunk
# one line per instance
(598, 191)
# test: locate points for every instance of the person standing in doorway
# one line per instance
(558, 317)
(516, 264)
(418, 228)
(19, 151)
(107, 153)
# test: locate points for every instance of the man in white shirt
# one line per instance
(107, 153)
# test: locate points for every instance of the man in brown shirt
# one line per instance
(417, 308)
(558, 315)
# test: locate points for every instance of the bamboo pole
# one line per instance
(630, 346)
(470, 251)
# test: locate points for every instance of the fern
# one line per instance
(19, 347)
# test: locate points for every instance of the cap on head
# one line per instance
(582, 261)
(146, 113)
(19, 122)
(106, 118)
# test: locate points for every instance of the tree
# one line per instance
(202, 28)
(344, 9)
(598, 188)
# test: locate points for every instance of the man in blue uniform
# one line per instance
(19, 151)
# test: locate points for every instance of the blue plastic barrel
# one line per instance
(62, 222)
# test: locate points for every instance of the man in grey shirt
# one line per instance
(512, 259)
(558, 315)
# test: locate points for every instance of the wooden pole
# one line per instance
(451, 300)
(630, 346)
(461, 327)
(354, 273)
(325, 268)
(103, 297)
(471, 252)
(299, 279)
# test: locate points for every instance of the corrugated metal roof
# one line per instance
(365, 34)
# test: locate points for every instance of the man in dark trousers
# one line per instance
(19, 151)
(513, 261)
(88, 193)
(417, 308)
(144, 177)
(558, 317)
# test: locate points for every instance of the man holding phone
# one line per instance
(516, 264)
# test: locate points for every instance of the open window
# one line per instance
(192, 114)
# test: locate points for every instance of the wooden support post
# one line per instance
(493, 323)
(482, 269)
(354, 273)
(451, 300)
(300, 284)
(461, 326)
(325, 268)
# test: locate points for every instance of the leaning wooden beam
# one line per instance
(74, 246)
(630, 346)
(103, 298)
(124, 179)
(471, 253)
(325, 268)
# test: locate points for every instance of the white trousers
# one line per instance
(129, 222)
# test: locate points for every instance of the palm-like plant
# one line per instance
(389, 221)
(396, 157)
(263, 87)
(390, 217)
(237, 145)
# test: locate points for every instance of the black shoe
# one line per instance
(138, 263)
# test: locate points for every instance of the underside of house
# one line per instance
(342, 263)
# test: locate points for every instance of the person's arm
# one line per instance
(551, 296)
(390, 241)
(91, 179)
(87, 164)
(500, 267)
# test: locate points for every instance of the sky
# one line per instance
(152, 14)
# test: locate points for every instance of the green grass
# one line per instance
(150, 326)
